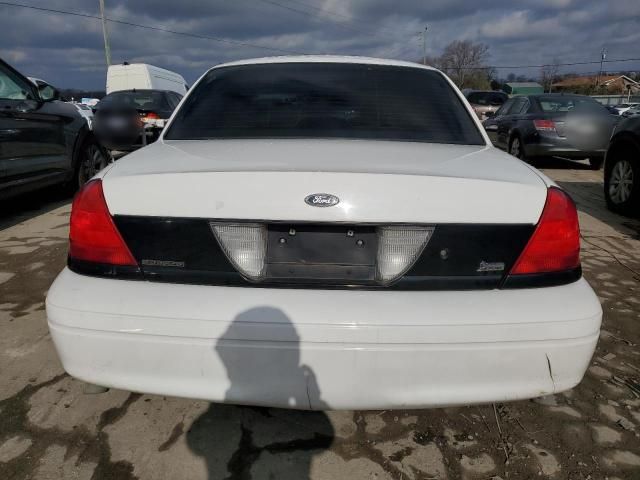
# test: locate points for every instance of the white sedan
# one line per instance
(325, 233)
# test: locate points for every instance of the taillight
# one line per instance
(93, 237)
(555, 243)
(545, 125)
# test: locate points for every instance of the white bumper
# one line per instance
(323, 349)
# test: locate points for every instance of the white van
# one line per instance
(143, 76)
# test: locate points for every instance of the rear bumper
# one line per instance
(323, 349)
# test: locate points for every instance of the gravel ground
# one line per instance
(50, 429)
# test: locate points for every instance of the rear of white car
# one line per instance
(325, 232)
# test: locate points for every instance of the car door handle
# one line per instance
(491, 128)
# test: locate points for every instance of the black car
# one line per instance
(622, 168)
(570, 126)
(129, 119)
(43, 141)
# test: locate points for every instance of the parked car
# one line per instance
(43, 141)
(622, 168)
(325, 232)
(631, 111)
(623, 107)
(484, 101)
(612, 109)
(132, 119)
(570, 126)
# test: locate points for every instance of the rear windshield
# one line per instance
(324, 100)
(139, 100)
(494, 99)
(565, 104)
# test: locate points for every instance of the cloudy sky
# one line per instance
(68, 50)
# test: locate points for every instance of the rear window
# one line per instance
(565, 104)
(494, 99)
(324, 100)
(139, 100)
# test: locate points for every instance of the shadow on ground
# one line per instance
(270, 442)
(557, 163)
(30, 205)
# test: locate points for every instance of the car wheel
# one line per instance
(622, 184)
(596, 162)
(93, 159)
(516, 148)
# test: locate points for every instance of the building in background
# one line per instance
(522, 88)
(606, 84)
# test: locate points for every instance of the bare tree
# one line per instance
(548, 74)
(465, 62)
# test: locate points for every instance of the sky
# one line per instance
(68, 51)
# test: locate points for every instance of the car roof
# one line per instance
(325, 59)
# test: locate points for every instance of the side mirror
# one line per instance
(48, 93)
(489, 114)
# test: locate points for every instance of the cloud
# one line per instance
(68, 50)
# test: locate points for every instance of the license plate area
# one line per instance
(321, 253)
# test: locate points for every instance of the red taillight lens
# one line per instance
(545, 125)
(93, 237)
(151, 116)
(555, 243)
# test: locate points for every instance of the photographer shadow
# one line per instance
(260, 351)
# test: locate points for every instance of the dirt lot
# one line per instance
(50, 429)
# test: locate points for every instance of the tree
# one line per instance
(549, 73)
(465, 63)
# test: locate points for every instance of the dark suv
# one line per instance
(622, 168)
(569, 126)
(43, 140)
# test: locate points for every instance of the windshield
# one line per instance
(565, 104)
(139, 100)
(494, 99)
(324, 100)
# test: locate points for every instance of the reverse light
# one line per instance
(93, 237)
(544, 125)
(555, 243)
(398, 248)
(245, 245)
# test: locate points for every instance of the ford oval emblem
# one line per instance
(321, 200)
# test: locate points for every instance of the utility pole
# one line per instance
(105, 34)
(424, 45)
(603, 56)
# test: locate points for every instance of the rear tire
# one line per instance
(93, 158)
(516, 148)
(622, 182)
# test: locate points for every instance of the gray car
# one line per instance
(569, 126)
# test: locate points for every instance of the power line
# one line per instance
(346, 18)
(543, 65)
(155, 28)
(313, 15)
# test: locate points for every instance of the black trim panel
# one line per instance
(183, 250)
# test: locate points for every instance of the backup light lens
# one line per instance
(245, 245)
(398, 249)
(555, 243)
(93, 237)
